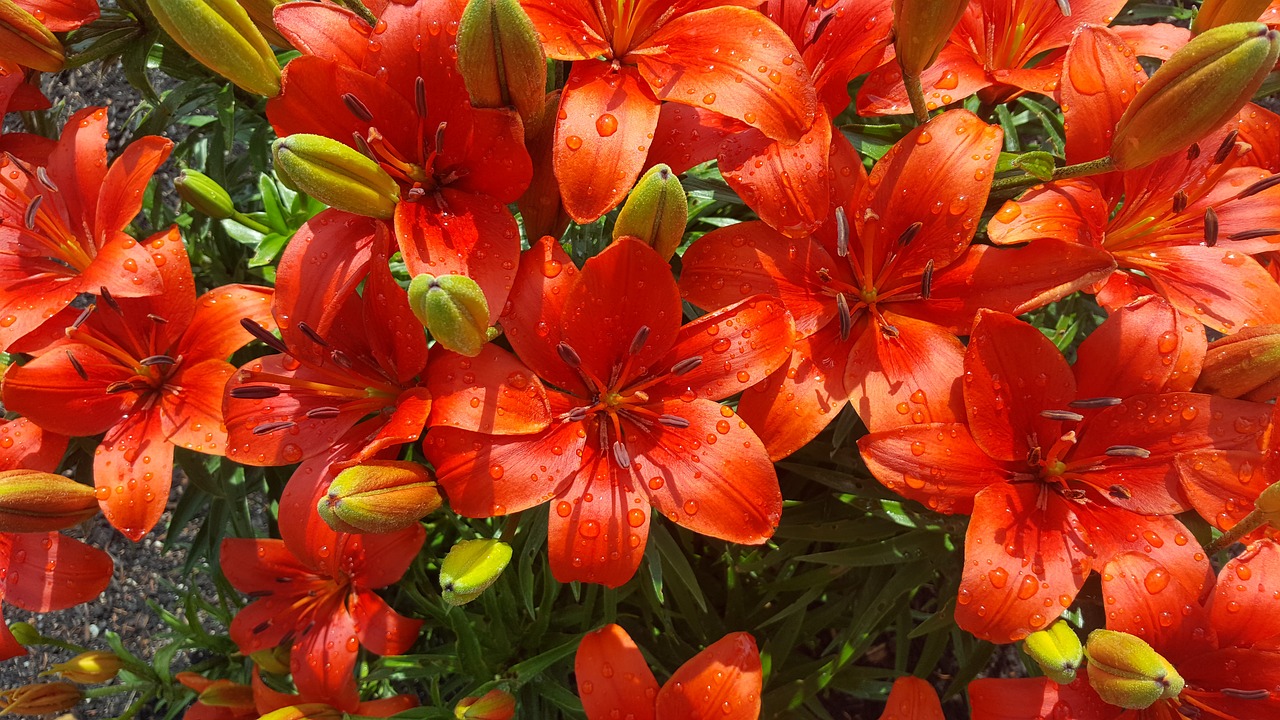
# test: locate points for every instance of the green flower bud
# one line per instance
(1268, 503)
(921, 29)
(1057, 651)
(32, 501)
(1127, 672)
(26, 41)
(336, 175)
(454, 309)
(655, 212)
(94, 666)
(25, 633)
(202, 193)
(221, 36)
(1246, 364)
(1202, 86)
(379, 496)
(274, 660)
(470, 567)
(262, 12)
(493, 705)
(1214, 13)
(500, 57)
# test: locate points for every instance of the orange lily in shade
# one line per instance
(1061, 471)
(62, 220)
(912, 699)
(1183, 227)
(347, 365)
(789, 185)
(634, 417)
(879, 300)
(723, 681)
(42, 572)
(267, 700)
(53, 15)
(393, 92)
(1224, 484)
(313, 589)
(227, 700)
(1225, 646)
(630, 56)
(150, 373)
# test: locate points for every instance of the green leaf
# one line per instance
(1038, 164)
(901, 549)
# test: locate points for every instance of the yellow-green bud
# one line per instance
(1268, 503)
(379, 496)
(493, 705)
(1127, 672)
(274, 660)
(222, 37)
(221, 693)
(921, 29)
(25, 633)
(202, 193)
(454, 309)
(655, 212)
(94, 666)
(470, 567)
(26, 41)
(1057, 650)
(40, 698)
(1202, 86)
(1246, 364)
(1213, 13)
(33, 501)
(305, 711)
(336, 175)
(262, 12)
(500, 57)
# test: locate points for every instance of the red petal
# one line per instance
(739, 346)
(786, 185)
(628, 286)
(396, 341)
(323, 660)
(563, 27)
(28, 302)
(1211, 678)
(386, 707)
(78, 165)
(493, 155)
(325, 31)
(52, 394)
(688, 136)
(713, 477)
(1257, 128)
(747, 69)
(53, 572)
(62, 15)
(1224, 289)
(597, 160)
(9, 646)
(850, 44)
(801, 398)
(1158, 40)
(729, 264)
(723, 681)
(215, 330)
(252, 565)
(912, 699)
(127, 268)
(311, 102)
(627, 687)
(1012, 373)
(541, 210)
(1036, 699)
(120, 197)
(1025, 560)
(955, 76)
(381, 630)
(378, 560)
(1070, 210)
(1145, 598)
(1243, 607)
(1101, 76)
(936, 464)
(192, 416)
(1222, 485)
(403, 426)
(912, 377)
(23, 445)
(1235, 214)
(1163, 351)
(470, 235)
(598, 525)
(324, 263)
(132, 469)
(531, 317)
(493, 393)
(413, 47)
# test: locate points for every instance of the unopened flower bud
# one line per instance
(655, 212)
(1127, 672)
(500, 57)
(40, 698)
(1268, 503)
(274, 660)
(217, 693)
(379, 496)
(1213, 13)
(202, 193)
(262, 12)
(87, 668)
(25, 633)
(454, 309)
(921, 29)
(1244, 365)
(1202, 86)
(493, 705)
(470, 567)
(336, 175)
(221, 36)
(26, 41)
(1057, 650)
(33, 501)
(305, 711)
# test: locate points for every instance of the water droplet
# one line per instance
(606, 125)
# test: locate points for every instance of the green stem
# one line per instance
(916, 93)
(250, 223)
(358, 8)
(120, 689)
(1254, 520)
(1093, 167)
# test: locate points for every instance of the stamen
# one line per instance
(1098, 402)
(1224, 149)
(311, 334)
(119, 386)
(32, 209)
(156, 318)
(1193, 152)
(157, 360)
(577, 414)
(363, 146)
(686, 365)
(357, 108)
(261, 333)
(420, 96)
(84, 315)
(1180, 201)
(620, 454)
(1073, 494)
(1263, 184)
(1246, 694)
(822, 24)
(254, 392)
(1065, 7)
(261, 627)
(440, 135)
(926, 282)
(846, 318)
(106, 297)
(323, 413)
(341, 360)
(842, 233)
(909, 234)
(268, 428)
(888, 330)
(259, 594)
(637, 342)
(1119, 492)
(568, 356)
(43, 176)
(75, 364)
(1253, 234)
(1127, 451)
(1063, 415)
(1189, 711)
(1210, 227)
(1034, 455)
(674, 421)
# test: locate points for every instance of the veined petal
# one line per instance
(396, 340)
(568, 30)
(78, 165)
(1036, 698)
(606, 122)
(493, 155)
(1213, 675)
(413, 47)
(215, 331)
(1026, 557)
(1163, 351)
(405, 424)
(838, 50)
(531, 317)
(192, 416)
(27, 303)
(126, 267)
(1158, 40)
(320, 269)
(937, 464)
(133, 469)
(1257, 126)
(52, 393)
(328, 32)
(1242, 609)
(955, 76)
(311, 101)
(1222, 485)
(253, 565)
(787, 185)
(725, 45)
(380, 629)
(688, 136)
(323, 660)
(908, 377)
(24, 445)
(723, 681)
(49, 572)
(63, 15)
(912, 699)
(1070, 210)
(1224, 289)
(493, 393)
(598, 526)
(120, 197)
(628, 687)
(1146, 599)
(1100, 78)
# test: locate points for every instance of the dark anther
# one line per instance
(158, 360)
(108, 299)
(340, 359)
(568, 355)
(84, 315)
(32, 209)
(254, 392)
(43, 176)
(926, 282)
(1098, 402)
(1127, 451)
(1034, 455)
(909, 234)
(119, 386)
(1180, 201)
(1253, 234)
(1063, 415)
(1193, 152)
(674, 421)
(620, 454)
(157, 319)
(1245, 694)
(268, 428)
(1064, 6)
(357, 108)
(1210, 227)
(1263, 184)
(889, 331)
(686, 365)
(259, 594)
(261, 333)
(420, 95)
(1224, 149)
(440, 135)
(822, 24)
(261, 627)
(75, 364)
(311, 334)
(1119, 492)
(842, 233)
(846, 318)
(363, 145)
(637, 342)
(283, 579)
(1189, 711)
(323, 413)
(1074, 494)
(577, 414)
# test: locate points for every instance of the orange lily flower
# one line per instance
(1223, 485)
(912, 699)
(1183, 227)
(1061, 471)
(630, 56)
(722, 681)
